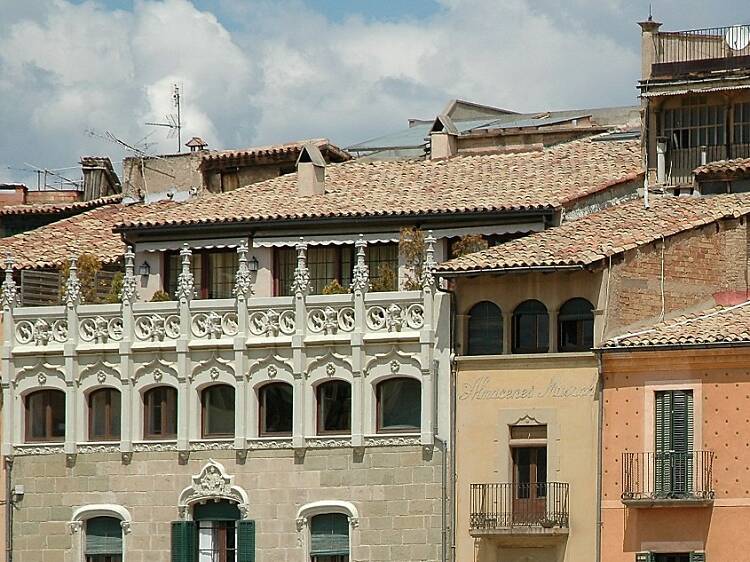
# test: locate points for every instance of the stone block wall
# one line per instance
(397, 491)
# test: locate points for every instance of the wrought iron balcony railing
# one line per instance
(667, 475)
(505, 506)
(696, 50)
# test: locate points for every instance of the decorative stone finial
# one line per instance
(129, 292)
(185, 281)
(361, 274)
(9, 290)
(428, 269)
(301, 282)
(243, 282)
(73, 285)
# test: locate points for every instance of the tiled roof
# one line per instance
(213, 157)
(545, 179)
(719, 325)
(732, 167)
(50, 208)
(91, 232)
(611, 231)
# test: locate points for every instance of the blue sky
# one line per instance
(267, 71)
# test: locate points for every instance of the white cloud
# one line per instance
(285, 71)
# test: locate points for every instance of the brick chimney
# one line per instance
(649, 30)
(443, 138)
(12, 194)
(311, 171)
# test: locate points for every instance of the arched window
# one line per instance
(334, 407)
(329, 538)
(104, 415)
(160, 413)
(485, 329)
(530, 328)
(217, 411)
(576, 325)
(399, 405)
(276, 402)
(45, 416)
(103, 540)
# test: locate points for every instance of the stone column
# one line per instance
(243, 291)
(72, 300)
(8, 300)
(553, 331)
(359, 286)
(300, 289)
(128, 296)
(185, 294)
(427, 343)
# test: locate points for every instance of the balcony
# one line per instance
(667, 479)
(519, 510)
(360, 337)
(702, 50)
(681, 162)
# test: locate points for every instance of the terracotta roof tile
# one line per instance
(736, 166)
(503, 182)
(91, 231)
(212, 157)
(50, 208)
(608, 232)
(718, 325)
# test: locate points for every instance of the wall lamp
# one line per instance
(253, 265)
(144, 270)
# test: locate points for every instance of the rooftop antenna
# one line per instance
(50, 172)
(650, 14)
(171, 121)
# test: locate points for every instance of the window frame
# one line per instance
(580, 326)
(516, 347)
(109, 414)
(262, 410)
(203, 280)
(379, 406)
(48, 417)
(319, 419)
(166, 412)
(471, 349)
(203, 394)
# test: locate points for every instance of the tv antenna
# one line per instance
(173, 121)
(42, 175)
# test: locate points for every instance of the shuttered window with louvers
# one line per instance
(329, 535)
(183, 541)
(103, 536)
(246, 541)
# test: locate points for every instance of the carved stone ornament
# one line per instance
(75, 526)
(393, 318)
(9, 290)
(272, 371)
(301, 281)
(185, 281)
(73, 285)
(428, 268)
(243, 282)
(42, 379)
(330, 369)
(212, 484)
(361, 274)
(129, 291)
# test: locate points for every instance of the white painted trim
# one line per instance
(312, 509)
(650, 388)
(86, 512)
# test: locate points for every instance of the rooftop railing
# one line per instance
(697, 50)
(667, 476)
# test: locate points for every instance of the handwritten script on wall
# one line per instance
(484, 389)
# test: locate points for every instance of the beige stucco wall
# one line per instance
(721, 389)
(396, 491)
(495, 392)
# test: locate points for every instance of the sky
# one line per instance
(256, 72)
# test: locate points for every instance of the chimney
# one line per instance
(443, 138)
(649, 31)
(311, 171)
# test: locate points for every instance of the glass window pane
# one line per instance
(277, 408)
(222, 267)
(400, 404)
(485, 329)
(57, 413)
(286, 260)
(334, 407)
(218, 410)
(382, 262)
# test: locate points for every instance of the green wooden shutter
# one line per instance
(103, 536)
(329, 535)
(245, 541)
(682, 442)
(662, 443)
(183, 541)
(644, 557)
(697, 557)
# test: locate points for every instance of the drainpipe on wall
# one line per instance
(8, 510)
(600, 443)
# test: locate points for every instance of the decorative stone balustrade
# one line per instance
(245, 341)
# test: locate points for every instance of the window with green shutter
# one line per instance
(184, 541)
(673, 443)
(103, 540)
(246, 541)
(329, 537)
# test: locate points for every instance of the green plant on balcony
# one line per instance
(334, 288)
